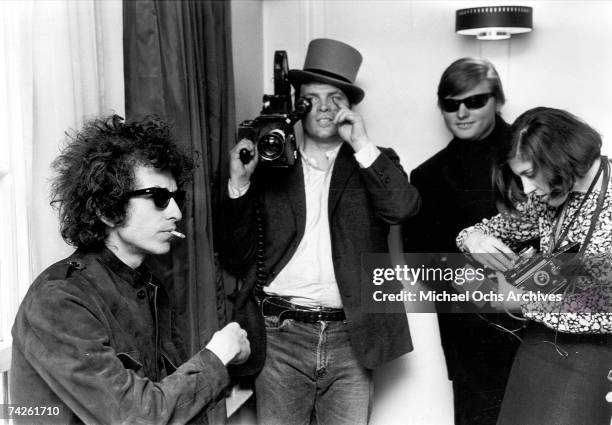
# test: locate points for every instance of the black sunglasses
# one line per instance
(471, 102)
(161, 196)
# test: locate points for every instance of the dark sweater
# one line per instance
(456, 192)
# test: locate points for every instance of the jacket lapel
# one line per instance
(297, 196)
(344, 166)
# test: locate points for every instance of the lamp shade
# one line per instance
(494, 22)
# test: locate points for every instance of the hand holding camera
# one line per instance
(543, 273)
(528, 271)
(241, 170)
(490, 251)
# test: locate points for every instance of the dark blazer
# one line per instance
(363, 202)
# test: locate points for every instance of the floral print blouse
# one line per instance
(587, 306)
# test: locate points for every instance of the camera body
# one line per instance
(272, 131)
(542, 273)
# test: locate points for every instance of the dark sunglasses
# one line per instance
(161, 196)
(472, 102)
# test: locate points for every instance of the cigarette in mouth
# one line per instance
(178, 234)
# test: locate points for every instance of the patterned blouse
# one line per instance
(586, 307)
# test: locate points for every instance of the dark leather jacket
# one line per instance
(97, 339)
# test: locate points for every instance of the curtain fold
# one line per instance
(178, 65)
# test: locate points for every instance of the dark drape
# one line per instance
(178, 64)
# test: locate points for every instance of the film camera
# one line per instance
(543, 273)
(272, 131)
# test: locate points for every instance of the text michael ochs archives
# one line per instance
(417, 287)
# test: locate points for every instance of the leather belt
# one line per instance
(283, 309)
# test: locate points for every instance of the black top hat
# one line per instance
(330, 62)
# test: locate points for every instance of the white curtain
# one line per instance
(15, 164)
(61, 62)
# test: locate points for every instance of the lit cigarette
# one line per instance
(178, 234)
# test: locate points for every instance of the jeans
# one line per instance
(311, 376)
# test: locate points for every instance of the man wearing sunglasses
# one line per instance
(95, 336)
(456, 189)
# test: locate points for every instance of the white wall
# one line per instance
(247, 45)
(565, 62)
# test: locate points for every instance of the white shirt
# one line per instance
(308, 278)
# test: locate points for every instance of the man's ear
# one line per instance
(498, 107)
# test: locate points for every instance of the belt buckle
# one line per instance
(319, 313)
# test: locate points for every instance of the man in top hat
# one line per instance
(313, 224)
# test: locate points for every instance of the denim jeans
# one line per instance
(311, 376)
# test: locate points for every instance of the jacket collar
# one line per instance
(297, 197)
(135, 277)
(344, 166)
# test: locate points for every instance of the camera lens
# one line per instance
(271, 145)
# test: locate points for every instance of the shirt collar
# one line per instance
(135, 277)
(312, 162)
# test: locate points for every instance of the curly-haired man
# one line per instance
(94, 335)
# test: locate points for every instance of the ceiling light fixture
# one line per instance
(494, 22)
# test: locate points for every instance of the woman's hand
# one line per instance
(490, 251)
(504, 290)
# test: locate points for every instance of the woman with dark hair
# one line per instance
(554, 184)
(456, 190)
